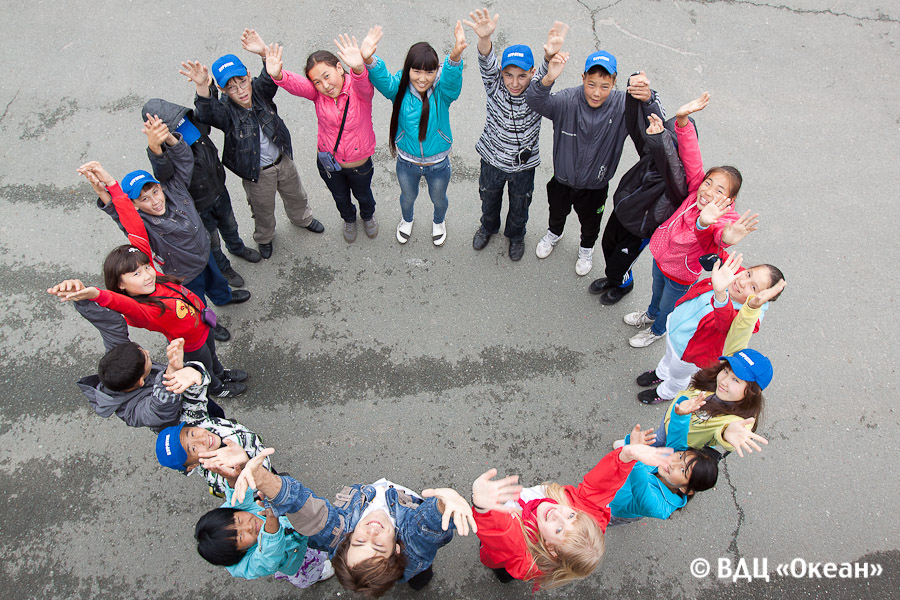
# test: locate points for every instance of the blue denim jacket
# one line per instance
(241, 126)
(418, 521)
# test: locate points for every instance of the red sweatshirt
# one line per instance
(502, 540)
(179, 320)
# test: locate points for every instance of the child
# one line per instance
(700, 322)
(420, 135)
(257, 142)
(508, 147)
(647, 195)
(168, 224)
(659, 491)
(200, 435)
(346, 135)
(375, 534)
(588, 136)
(207, 187)
(706, 223)
(251, 542)
(558, 535)
(158, 303)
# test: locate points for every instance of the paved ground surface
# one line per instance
(428, 365)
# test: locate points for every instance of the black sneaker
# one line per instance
(613, 295)
(598, 286)
(649, 378)
(315, 226)
(220, 334)
(516, 249)
(265, 250)
(239, 296)
(235, 375)
(650, 397)
(481, 239)
(250, 255)
(229, 389)
(232, 276)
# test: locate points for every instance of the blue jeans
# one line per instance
(210, 283)
(357, 180)
(490, 187)
(438, 178)
(665, 294)
(218, 218)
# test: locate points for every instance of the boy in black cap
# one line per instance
(207, 186)
(257, 142)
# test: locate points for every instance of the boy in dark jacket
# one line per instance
(257, 142)
(207, 186)
(588, 136)
(647, 195)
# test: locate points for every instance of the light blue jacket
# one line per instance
(282, 551)
(447, 87)
(644, 494)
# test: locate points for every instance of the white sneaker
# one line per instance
(404, 230)
(439, 233)
(327, 571)
(643, 338)
(638, 319)
(585, 261)
(545, 246)
(618, 444)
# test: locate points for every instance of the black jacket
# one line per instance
(656, 185)
(208, 180)
(241, 126)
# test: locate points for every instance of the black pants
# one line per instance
(621, 249)
(588, 205)
(420, 580)
(206, 354)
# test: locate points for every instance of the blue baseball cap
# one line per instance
(751, 365)
(134, 182)
(518, 56)
(188, 131)
(603, 59)
(169, 451)
(227, 67)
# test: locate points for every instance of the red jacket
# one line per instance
(705, 347)
(179, 320)
(502, 540)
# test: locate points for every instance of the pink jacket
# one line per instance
(358, 139)
(677, 244)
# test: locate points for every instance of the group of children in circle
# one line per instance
(374, 535)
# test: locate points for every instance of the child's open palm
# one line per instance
(764, 296)
(253, 42)
(691, 405)
(714, 210)
(348, 51)
(274, 60)
(744, 226)
(638, 436)
(195, 71)
(724, 275)
(555, 39)
(490, 494)
(370, 42)
(738, 434)
(695, 105)
(482, 23)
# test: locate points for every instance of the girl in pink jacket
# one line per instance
(705, 223)
(346, 139)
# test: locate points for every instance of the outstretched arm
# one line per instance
(484, 26)
(459, 42)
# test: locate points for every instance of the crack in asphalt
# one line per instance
(882, 18)
(733, 546)
(8, 104)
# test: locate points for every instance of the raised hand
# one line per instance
(693, 404)
(253, 42)
(274, 54)
(72, 290)
(656, 125)
(197, 73)
(247, 479)
(639, 87)
(349, 52)
(723, 275)
(460, 43)
(157, 133)
(230, 455)
(179, 381)
(717, 207)
(455, 507)
(642, 437)
(738, 434)
(175, 354)
(490, 494)
(695, 105)
(555, 68)
(555, 38)
(370, 43)
(482, 23)
(650, 456)
(744, 226)
(764, 296)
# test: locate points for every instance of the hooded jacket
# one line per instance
(654, 187)
(208, 179)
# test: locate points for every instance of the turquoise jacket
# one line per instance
(644, 494)
(282, 551)
(447, 87)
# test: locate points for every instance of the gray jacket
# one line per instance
(587, 142)
(151, 405)
(178, 238)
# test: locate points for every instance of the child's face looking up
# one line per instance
(152, 200)
(422, 80)
(516, 79)
(195, 440)
(730, 387)
(554, 521)
(373, 537)
(750, 282)
(717, 185)
(247, 526)
(327, 79)
(597, 87)
(240, 91)
(139, 282)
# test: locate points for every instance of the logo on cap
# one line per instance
(228, 64)
(134, 179)
(746, 358)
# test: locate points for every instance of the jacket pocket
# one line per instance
(445, 137)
